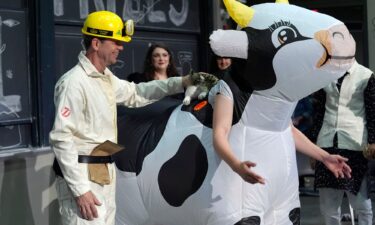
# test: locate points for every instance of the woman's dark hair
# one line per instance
(214, 68)
(149, 69)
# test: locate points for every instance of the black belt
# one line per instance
(95, 159)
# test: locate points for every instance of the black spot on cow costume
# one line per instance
(169, 173)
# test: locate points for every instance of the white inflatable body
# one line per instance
(288, 52)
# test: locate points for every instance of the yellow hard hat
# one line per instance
(106, 24)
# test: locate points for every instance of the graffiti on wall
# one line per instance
(10, 105)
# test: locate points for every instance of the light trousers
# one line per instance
(330, 204)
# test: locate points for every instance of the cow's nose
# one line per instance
(338, 43)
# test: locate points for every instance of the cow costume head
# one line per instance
(289, 50)
(170, 173)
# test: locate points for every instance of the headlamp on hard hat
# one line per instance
(128, 29)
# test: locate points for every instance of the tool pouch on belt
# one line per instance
(97, 167)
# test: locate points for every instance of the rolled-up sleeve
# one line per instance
(69, 102)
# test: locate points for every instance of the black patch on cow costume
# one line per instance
(295, 216)
(204, 115)
(261, 55)
(259, 60)
(183, 174)
(140, 130)
(252, 220)
(240, 96)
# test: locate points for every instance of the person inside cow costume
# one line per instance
(171, 174)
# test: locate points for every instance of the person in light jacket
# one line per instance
(85, 100)
(344, 124)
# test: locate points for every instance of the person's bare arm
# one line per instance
(335, 163)
(222, 122)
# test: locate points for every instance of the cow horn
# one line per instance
(282, 1)
(239, 12)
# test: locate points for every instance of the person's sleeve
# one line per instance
(369, 96)
(319, 102)
(69, 104)
(220, 88)
(137, 95)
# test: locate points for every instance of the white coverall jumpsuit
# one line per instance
(86, 116)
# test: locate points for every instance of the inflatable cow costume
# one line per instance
(170, 174)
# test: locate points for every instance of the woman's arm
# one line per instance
(335, 163)
(222, 123)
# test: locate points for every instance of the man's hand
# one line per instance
(87, 205)
(200, 79)
(337, 165)
(186, 81)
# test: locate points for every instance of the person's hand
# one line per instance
(199, 78)
(369, 152)
(87, 205)
(337, 165)
(187, 81)
(244, 170)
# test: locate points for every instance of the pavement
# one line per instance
(310, 212)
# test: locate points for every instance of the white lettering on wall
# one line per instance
(58, 7)
(179, 18)
(138, 10)
(155, 16)
(10, 105)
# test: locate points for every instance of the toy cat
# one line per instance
(202, 83)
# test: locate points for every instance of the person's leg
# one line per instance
(110, 201)
(68, 206)
(286, 209)
(361, 204)
(330, 205)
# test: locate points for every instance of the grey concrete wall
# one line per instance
(27, 191)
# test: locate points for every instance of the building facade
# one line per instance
(40, 40)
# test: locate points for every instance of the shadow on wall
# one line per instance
(27, 194)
